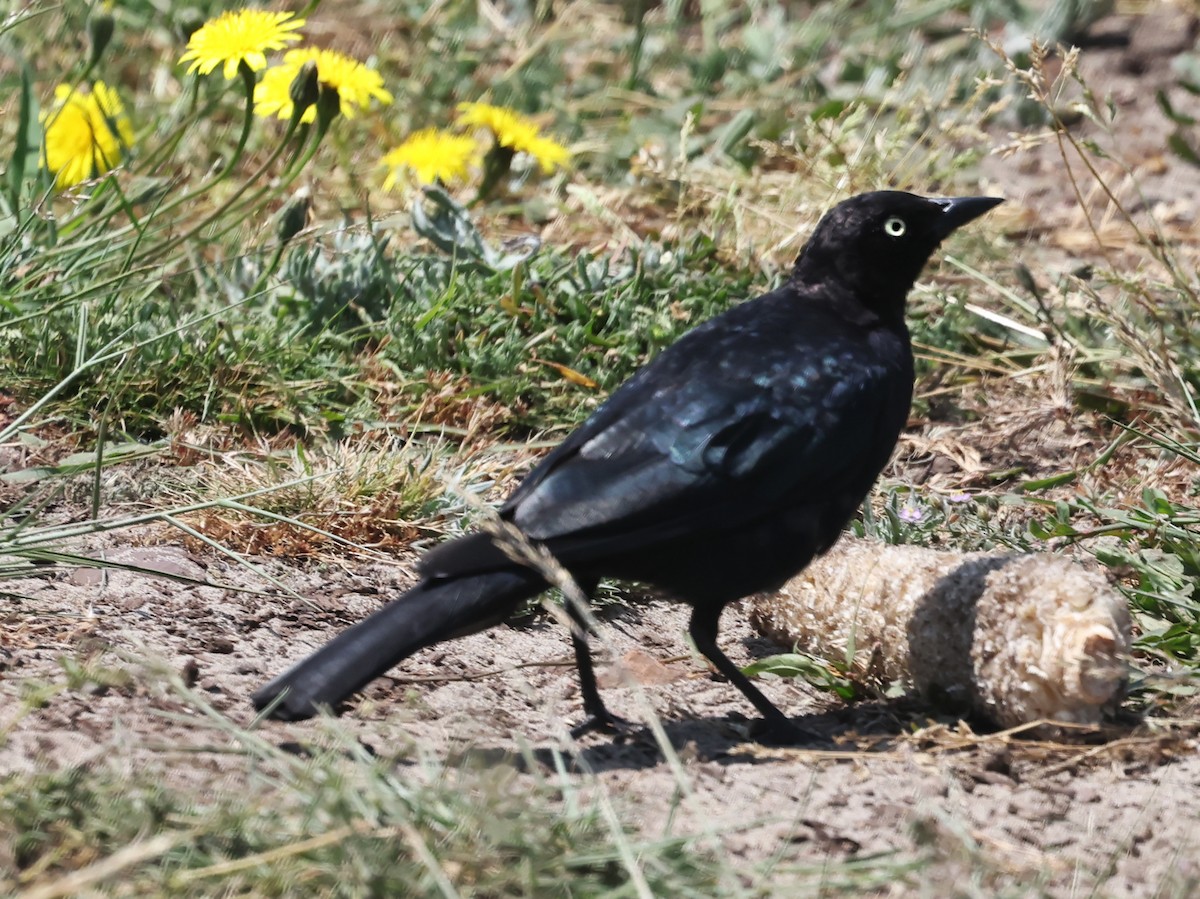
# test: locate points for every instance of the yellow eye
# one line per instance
(895, 227)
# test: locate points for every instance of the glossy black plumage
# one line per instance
(718, 470)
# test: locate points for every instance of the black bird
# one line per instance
(719, 470)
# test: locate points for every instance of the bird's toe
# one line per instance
(782, 732)
(605, 722)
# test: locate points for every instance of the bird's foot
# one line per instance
(605, 721)
(782, 732)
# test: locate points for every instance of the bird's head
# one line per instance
(876, 244)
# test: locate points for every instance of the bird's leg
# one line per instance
(778, 728)
(598, 715)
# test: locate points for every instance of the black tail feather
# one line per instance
(432, 611)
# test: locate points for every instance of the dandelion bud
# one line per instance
(305, 89)
(100, 31)
(496, 165)
(188, 22)
(294, 216)
(329, 103)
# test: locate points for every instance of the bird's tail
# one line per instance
(434, 610)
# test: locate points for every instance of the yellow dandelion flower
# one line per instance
(509, 127)
(431, 155)
(85, 133)
(355, 84)
(548, 153)
(515, 131)
(236, 37)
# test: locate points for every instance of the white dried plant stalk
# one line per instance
(1016, 638)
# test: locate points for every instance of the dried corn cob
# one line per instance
(1015, 638)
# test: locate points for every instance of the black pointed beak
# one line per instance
(957, 211)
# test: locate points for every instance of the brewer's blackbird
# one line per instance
(718, 470)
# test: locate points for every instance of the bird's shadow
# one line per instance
(857, 731)
(724, 740)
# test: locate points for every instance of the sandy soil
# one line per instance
(1113, 817)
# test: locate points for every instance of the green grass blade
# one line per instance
(23, 140)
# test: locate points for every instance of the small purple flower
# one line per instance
(911, 512)
(961, 497)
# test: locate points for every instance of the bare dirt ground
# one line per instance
(1118, 816)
